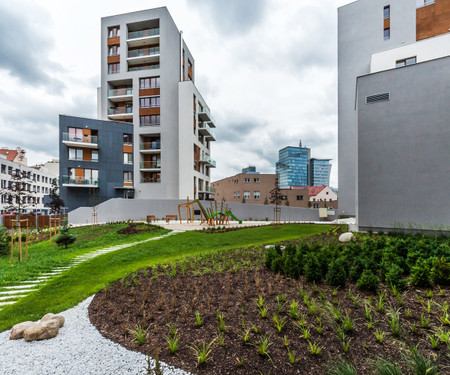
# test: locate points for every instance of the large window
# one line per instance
(128, 139)
(114, 68)
(127, 177)
(246, 195)
(75, 154)
(149, 83)
(113, 31)
(151, 102)
(94, 155)
(114, 50)
(127, 158)
(151, 120)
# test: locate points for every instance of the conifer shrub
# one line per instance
(313, 272)
(420, 274)
(271, 254)
(337, 275)
(5, 242)
(393, 277)
(65, 238)
(368, 281)
(440, 272)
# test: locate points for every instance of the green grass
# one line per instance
(43, 257)
(91, 276)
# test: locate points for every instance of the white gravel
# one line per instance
(79, 349)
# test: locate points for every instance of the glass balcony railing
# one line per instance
(70, 137)
(150, 180)
(120, 92)
(143, 67)
(208, 160)
(144, 52)
(204, 127)
(79, 180)
(150, 164)
(120, 111)
(207, 190)
(143, 33)
(146, 146)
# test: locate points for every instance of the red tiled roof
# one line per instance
(313, 190)
(10, 154)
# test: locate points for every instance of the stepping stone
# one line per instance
(50, 273)
(20, 286)
(12, 292)
(7, 303)
(43, 277)
(31, 282)
(11, 297)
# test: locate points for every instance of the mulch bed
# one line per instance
(230, 283)
(134, 228)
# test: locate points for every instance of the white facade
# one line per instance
(326, 195)
(40, 181)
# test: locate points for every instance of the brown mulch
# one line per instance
(134, 228)
(157, 297)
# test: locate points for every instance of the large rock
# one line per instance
(59, 318)
(41, 331)
(347, 237)
(18, 329)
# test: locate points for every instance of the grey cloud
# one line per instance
(234, 17)
(24, 48)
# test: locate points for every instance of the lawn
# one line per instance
(43, 257)
(88, 278)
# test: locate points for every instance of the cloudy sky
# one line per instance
(267, 69)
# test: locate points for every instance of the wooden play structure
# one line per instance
(210, 216)
(19, 223)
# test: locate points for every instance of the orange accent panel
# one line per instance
(113, 59)
(197, 157)
(113, 41)
(149, 111)
(149, 92)
(387, 23)
(79, 172)
(190, 73)
(87, 154)
(128, 184)
(87, 131)
(128, 149)
(433, 20)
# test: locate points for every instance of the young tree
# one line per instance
(65, 238)
(275, 197)
(56, 203)
(18, 193)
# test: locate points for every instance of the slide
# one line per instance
(234, 217)
(205, 214)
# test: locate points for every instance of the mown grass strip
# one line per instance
(90, 277)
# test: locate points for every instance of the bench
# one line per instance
(171, 217)
(151, 218)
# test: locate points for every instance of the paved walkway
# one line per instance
(11, 294)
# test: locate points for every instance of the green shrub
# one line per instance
(420, 274)
(271, 254)
(277, 264)
(5, 242)
(313, 272)
(393, 277)
(440, 272)
(357, 268)
(65, 238)
(291, 268)
(368, 281)
(337, 275)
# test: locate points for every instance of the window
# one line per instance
(75, 154)
(127, 177)
(246, 195)
(387, 33)
(152, 120)
(256, 180)
(128, 139)
(114, 68)
(424, 3)
(114, 50)
(10, 170)
(256, 195)
(405, 62)
(299, 197)
(149, 83)
(316, 205)
(127, 158)
(387, 11)
(246, 179)
(113, 31)
(94, 155)
(151, 102)
(3, 168)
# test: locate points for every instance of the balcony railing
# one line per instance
(146, 146)
(207, 159)
(120, 111)
(207, 190)
(146, 180)
(153, 164)
(120, 92)
(143, 67)
(70, 137)
(144, 52)
(149, 124)
(79, 180)
(205, 129)
(143, 33)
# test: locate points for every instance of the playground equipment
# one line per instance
(210, 216)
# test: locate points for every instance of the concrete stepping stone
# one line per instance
(11, 297)
(32, 282)
(7, 303)
(21, 286)
(12, 292)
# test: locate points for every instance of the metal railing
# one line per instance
(120, 92)
(143, 33)
(144, 67)
(146, 180)
(155, 145)
(204, 125)
(207, 159)
(144, 52)
(152, 164)
(70, 137)
(120, 111)
(79, 180)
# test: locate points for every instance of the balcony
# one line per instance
(143, 67)
(120, 113)
(146, 180)
(79, 181)
(207, 131)
(206, 190)
(205, 115)
(150, 147)
(86, 141)
(120, 95)
(208, 161)
(143, 56)
(143, 37)
(150, 165)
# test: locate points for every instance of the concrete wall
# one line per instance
(138, 209)
(360, 34)
(404, 148)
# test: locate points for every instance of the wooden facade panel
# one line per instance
(433, 20)
(113, 41)
(130, 184)
(387, 23)
(128, 149)
(149, 111)
(79, 172)
(149, 92)
(113, 59)
(87, 132)
(197, 157)
(87, 154)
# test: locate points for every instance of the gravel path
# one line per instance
(79, 349)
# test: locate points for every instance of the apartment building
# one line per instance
(38, 180)
(394, 69)
(148, 80)
(96, 161)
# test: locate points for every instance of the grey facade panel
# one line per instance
(404, 148)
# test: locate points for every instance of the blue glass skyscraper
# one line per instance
(293, 166)
(320, 170)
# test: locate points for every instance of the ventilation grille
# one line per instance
(378, 98)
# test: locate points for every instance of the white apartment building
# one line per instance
(39, 183)
(148, 79)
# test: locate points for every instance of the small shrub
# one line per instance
(368, 281)
(65, 238)
(5, 242)
(420, 274)
(313, 271)
(440, 272)
(337, 274)
(393, 277)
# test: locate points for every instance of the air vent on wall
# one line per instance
(378, 98)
